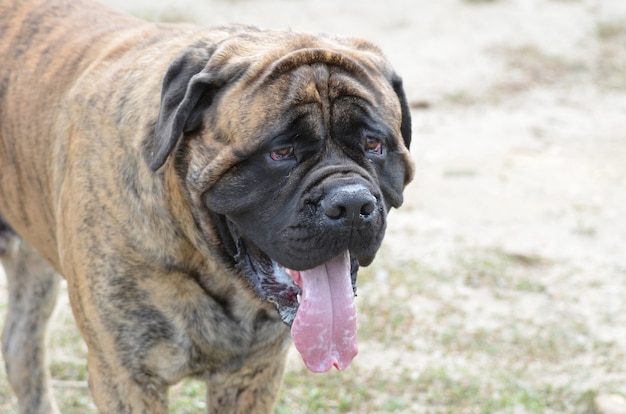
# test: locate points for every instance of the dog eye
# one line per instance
(282, 154)
(374, 146)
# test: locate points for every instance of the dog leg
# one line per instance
(33, 287)
(116, 391)
(251, 391)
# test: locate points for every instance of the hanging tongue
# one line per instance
(324, 330)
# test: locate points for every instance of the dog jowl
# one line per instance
(208, 194)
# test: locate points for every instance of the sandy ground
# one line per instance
(520, 146)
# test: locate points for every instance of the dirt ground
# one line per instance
(507, 262)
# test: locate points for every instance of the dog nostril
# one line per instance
(367, 209)
(333, 211)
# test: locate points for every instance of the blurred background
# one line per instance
(501, 285)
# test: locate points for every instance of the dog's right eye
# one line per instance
(374, 146)
(282, 154)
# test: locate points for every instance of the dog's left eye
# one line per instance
(374, 146)
(282, 154)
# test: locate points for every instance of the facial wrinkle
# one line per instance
(322, 79)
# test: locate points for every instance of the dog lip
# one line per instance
(273, 281)
(268, 279)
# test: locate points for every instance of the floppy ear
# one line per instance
(405, 126)
(185, 84)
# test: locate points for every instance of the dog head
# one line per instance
(292, 149)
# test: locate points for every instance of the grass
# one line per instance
(343, 392)
(499, 269)
(451, 340)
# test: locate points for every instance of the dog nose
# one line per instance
(350, 205)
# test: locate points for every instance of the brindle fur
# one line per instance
(88, 184)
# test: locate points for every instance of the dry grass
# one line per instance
(464, 339)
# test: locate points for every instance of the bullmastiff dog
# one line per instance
(208, 194)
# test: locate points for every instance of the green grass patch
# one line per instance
(353, 390)
(502, 270)
(188, 397)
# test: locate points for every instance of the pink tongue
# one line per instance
(324, 330)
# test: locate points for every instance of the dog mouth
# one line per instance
(317, 303)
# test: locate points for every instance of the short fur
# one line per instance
(134, 162)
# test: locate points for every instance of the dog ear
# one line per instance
(405, 126)
(185, 85)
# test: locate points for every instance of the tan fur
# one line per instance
(79, 93)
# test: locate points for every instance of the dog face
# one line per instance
(292, 150)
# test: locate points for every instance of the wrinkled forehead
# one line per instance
(332, 73)
(325, 83)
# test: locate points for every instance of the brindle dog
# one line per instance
(208, 194)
